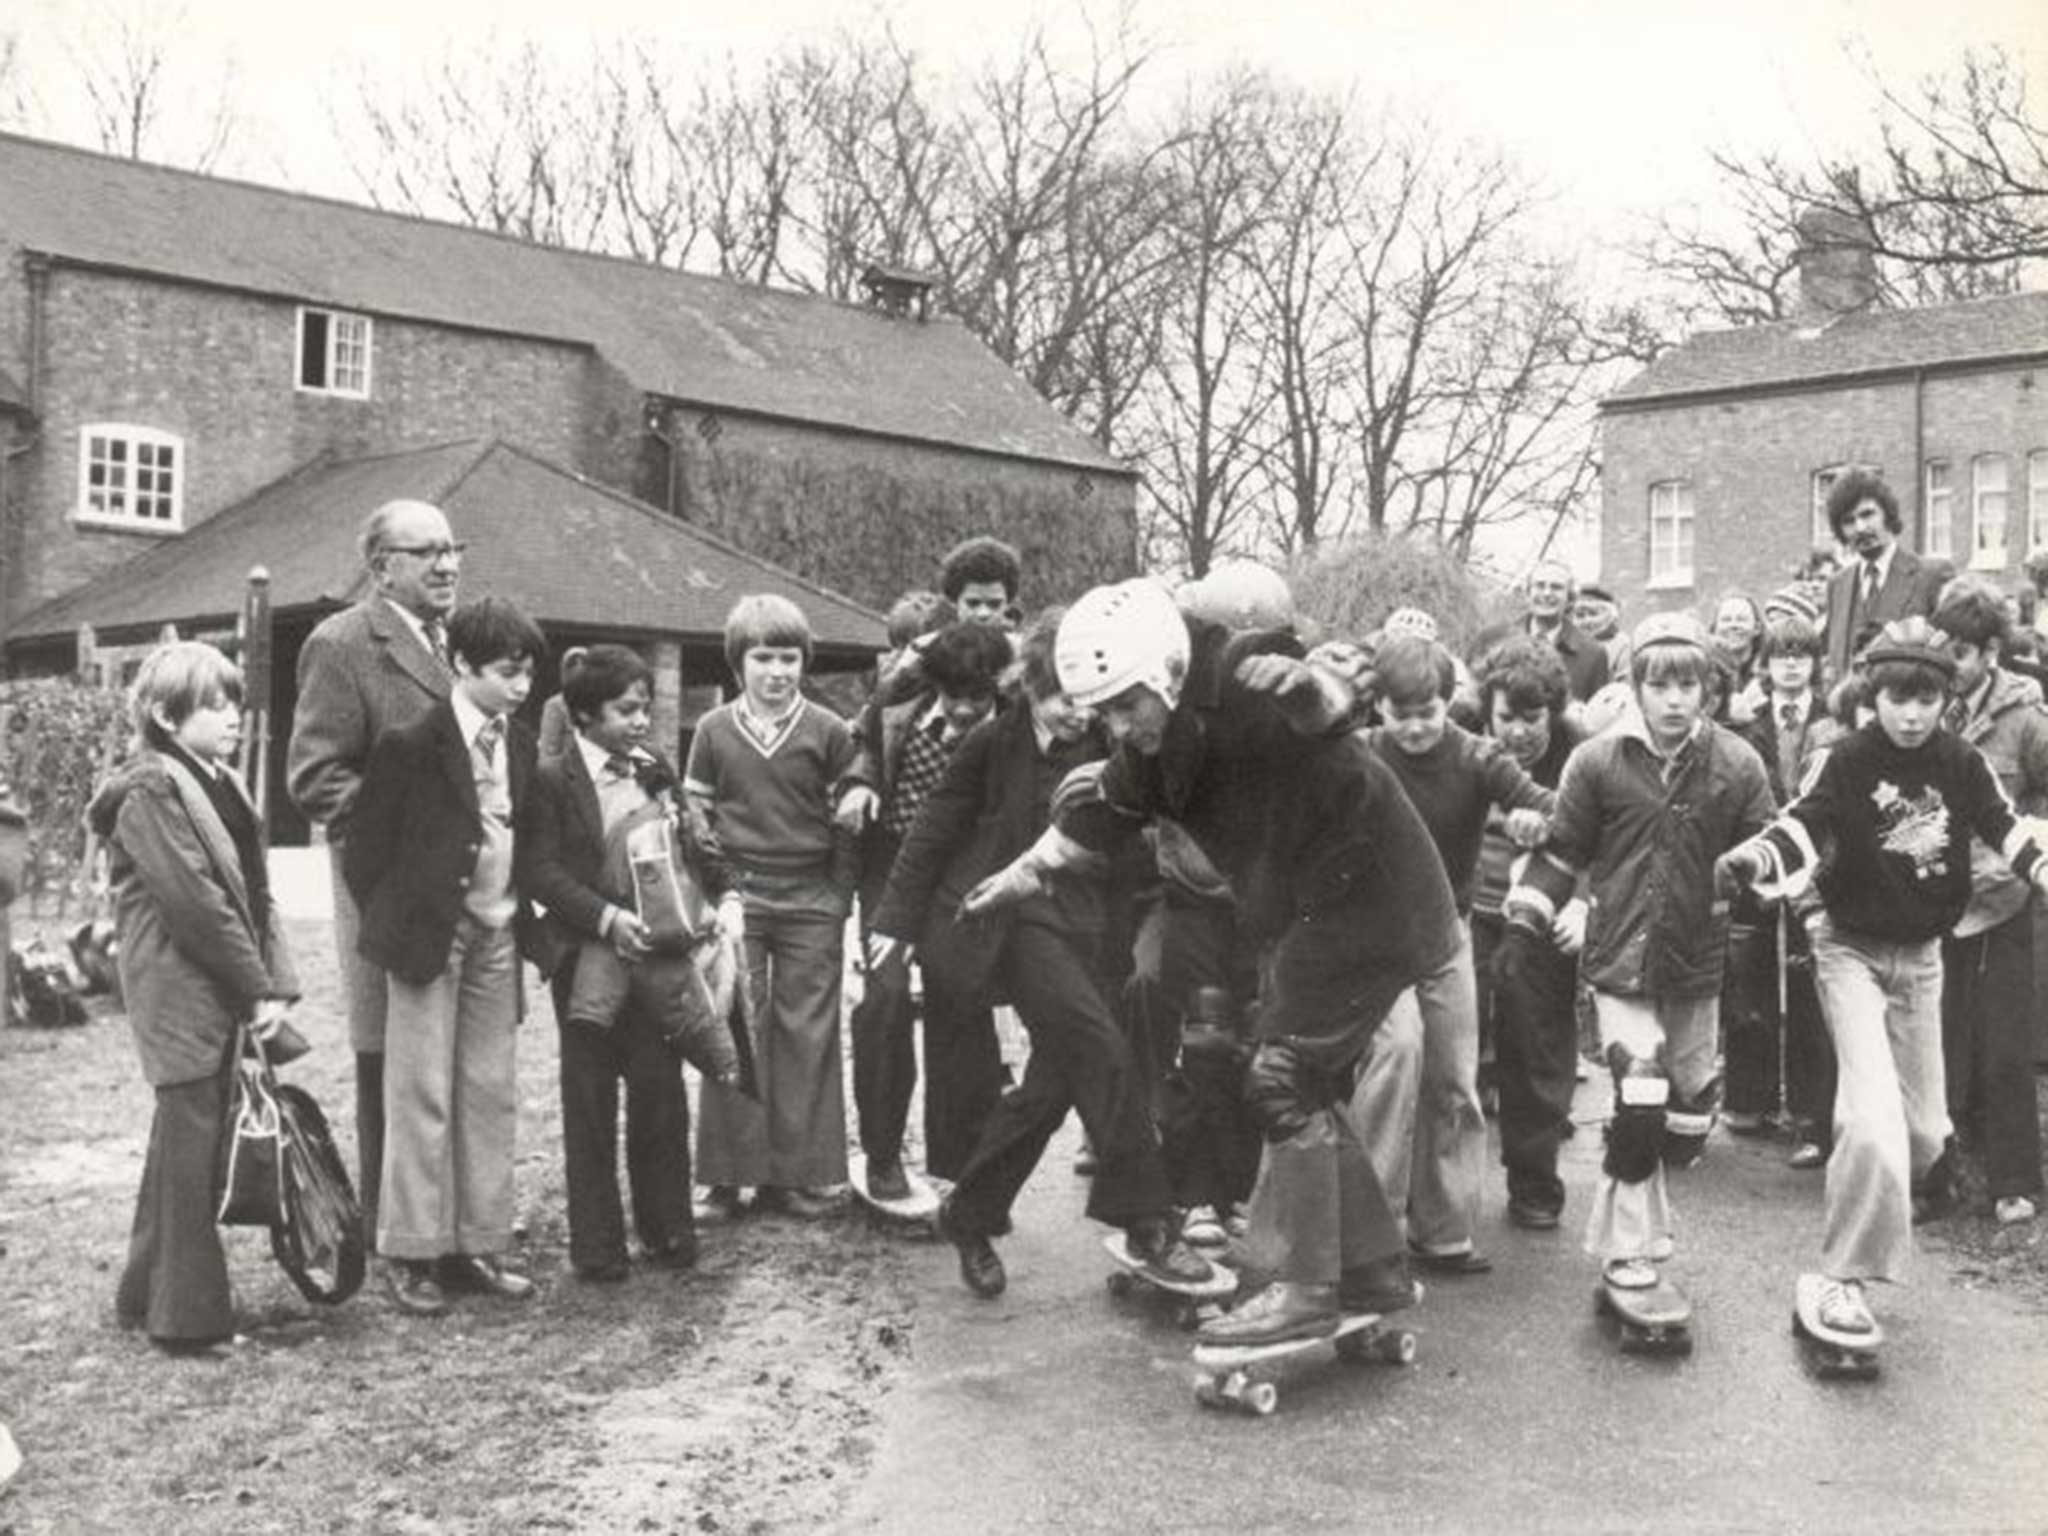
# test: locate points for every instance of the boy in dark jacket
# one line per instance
(900, 755)
(429, 860)
(1898, 801)
(1644, 811)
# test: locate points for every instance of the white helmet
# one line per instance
(1239, 594)
(1116, 636)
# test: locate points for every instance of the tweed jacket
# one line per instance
(1911, 586)
(363, 672)
(194, 959)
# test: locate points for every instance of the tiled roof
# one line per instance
(1791, 352)
(704, 340)
(565, 549)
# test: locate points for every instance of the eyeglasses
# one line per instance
(428, 552)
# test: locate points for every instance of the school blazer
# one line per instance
(413, 840)
(559, 856)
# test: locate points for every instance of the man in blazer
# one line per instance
(1551, 590)
(365, 670)
(1885, 580)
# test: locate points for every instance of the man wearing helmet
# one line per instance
(1242, 744)
(1644, 811)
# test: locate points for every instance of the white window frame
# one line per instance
(2037, 501)
(337, 321)
(137, 443)
(1938, 523)
(1990, 511)
(1672, 557)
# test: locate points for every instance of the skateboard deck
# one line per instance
(1654, 1319)
(1831, 1353)
(921, 1205)
(1225, 1376)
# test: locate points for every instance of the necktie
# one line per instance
(618, 766)
(1869, 592)
(1788, 717)
(437, 640)
(485, 747)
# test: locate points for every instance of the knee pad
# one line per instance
(1688, 1123)
(1635, 1136)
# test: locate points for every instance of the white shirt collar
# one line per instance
(468, 718)
(595, 757)
(1882, 565)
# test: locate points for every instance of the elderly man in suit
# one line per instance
(380, 664)
(1884, 580)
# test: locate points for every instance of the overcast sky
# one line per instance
(1611, 102)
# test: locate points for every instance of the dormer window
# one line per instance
(334, 353)
(131, 478)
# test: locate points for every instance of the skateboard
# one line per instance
(1226, 1379)
(1655, 1319)
(1831, 1353)
(919, 1208)
(1191, 1302)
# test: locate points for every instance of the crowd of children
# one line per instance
(1284, 914)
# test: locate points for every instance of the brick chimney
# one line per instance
(1837, 267)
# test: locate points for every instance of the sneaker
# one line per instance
(1383, 1286)
(413, 1287)
(1463, 1261)
(480, 1272)
(2011, 1210)
(1808, 1154)
(981, 1269)
(887, 1180)
(1629, 1274)
(1533, 1215)
(1280, 1312)
(1161, 1249)
(1842, 1308)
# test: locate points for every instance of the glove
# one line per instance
(1736, 870)
(857, 807)
(1016, 881)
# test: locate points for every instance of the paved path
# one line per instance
(1057, 1409)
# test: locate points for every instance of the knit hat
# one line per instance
(1911, 639)
(1410, 621)
(1792, 603)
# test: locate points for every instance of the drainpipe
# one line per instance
(1920, 461)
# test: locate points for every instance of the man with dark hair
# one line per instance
(368, 669)
(1885, 581)
(981, 577)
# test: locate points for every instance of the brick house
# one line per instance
(1717, 458)
(170, 343)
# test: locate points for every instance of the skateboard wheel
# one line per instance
(1262, 1397)
(1120, 1284)
(1355, 1346)
(1206, 1392)
(1398, 1348)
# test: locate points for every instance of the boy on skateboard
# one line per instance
(1243, 745)
(1644, 811)
(1898, 800)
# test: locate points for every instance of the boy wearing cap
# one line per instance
(1643, 812)
(1243, 744)
(1898, 802)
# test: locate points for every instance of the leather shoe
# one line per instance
(413, 1287)
(980, 1267)
(887, 1180)
(1466, 1261)
(677, 1253)
(1380, 1287)
(1532, 1214)
(478, 1272)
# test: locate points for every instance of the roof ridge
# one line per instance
(328, 199)
(648, 510)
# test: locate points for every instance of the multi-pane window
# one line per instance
(334, 352)
(130, 477)
(1671, 526)
(1939, 529)
(1990, 502)
(2037, 501)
